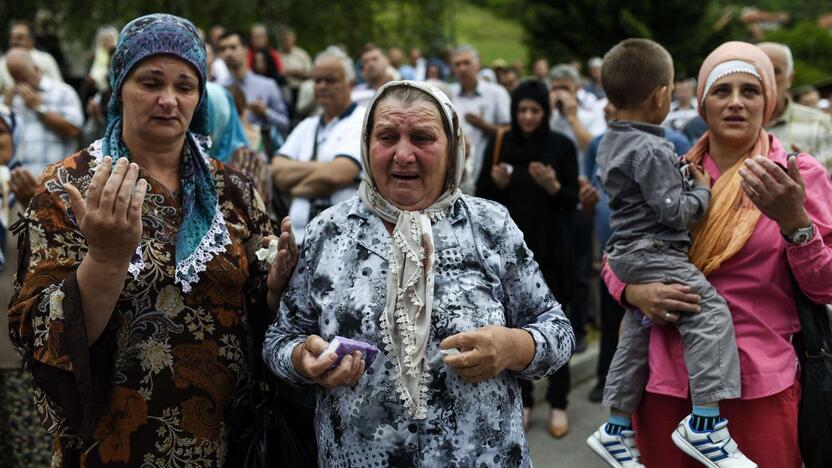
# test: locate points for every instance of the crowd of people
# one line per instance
(451, 215)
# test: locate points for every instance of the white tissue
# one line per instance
(270, 254)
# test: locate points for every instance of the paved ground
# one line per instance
(570, 451)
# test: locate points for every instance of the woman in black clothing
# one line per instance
(535, 175)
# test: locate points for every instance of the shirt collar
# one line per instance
(243, 80)
(477, 90)
(623, 125)
(343, 115)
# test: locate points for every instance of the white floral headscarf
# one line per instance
(405, 322)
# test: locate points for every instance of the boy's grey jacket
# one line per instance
(639, 170)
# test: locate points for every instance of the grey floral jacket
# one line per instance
(485, 275)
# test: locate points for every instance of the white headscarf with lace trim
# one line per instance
(405, 322)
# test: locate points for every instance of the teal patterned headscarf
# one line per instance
(202, 232)
(227, 133)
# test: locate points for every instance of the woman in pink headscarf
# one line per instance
(770, 213)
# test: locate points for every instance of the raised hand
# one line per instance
(544, 175)
(287, 257)
(588, 197)
(23, 184)
(777, 193)
(31, 98)
(110, 218)
(501, 175)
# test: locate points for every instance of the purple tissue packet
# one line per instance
(344, 346)
(645, 322)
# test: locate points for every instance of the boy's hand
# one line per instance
(700, 177)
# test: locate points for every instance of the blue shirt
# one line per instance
(408, 72)
(260, 88)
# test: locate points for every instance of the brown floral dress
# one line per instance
(152, 390)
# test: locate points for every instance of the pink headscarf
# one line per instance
(731, 216)
(736, 50)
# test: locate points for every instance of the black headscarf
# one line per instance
(536, 91)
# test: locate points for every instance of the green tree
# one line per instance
(318, 23)
(579, 29)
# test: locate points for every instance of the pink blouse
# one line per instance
(756, 285)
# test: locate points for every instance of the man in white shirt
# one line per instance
(49, 111)
(576, 113)
(374, 70)
(21, 36)
(320, 163)
(484, 106)
(683, 108)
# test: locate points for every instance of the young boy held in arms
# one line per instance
(654, 206)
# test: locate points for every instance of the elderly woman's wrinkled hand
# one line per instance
(110, 218)
(777, 193)
(280, 271)
(662, 303)
(308, 362)
(488, 351)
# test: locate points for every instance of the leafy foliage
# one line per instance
(318, 23)
(579, 29)
(558, 30)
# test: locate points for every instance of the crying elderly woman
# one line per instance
(416, 268)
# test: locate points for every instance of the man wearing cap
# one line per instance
(507, 76)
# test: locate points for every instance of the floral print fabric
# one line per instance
(485, 275)
(23, 443)
(153, 389)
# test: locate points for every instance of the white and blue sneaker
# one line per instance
(619, 451)
(715, 449)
